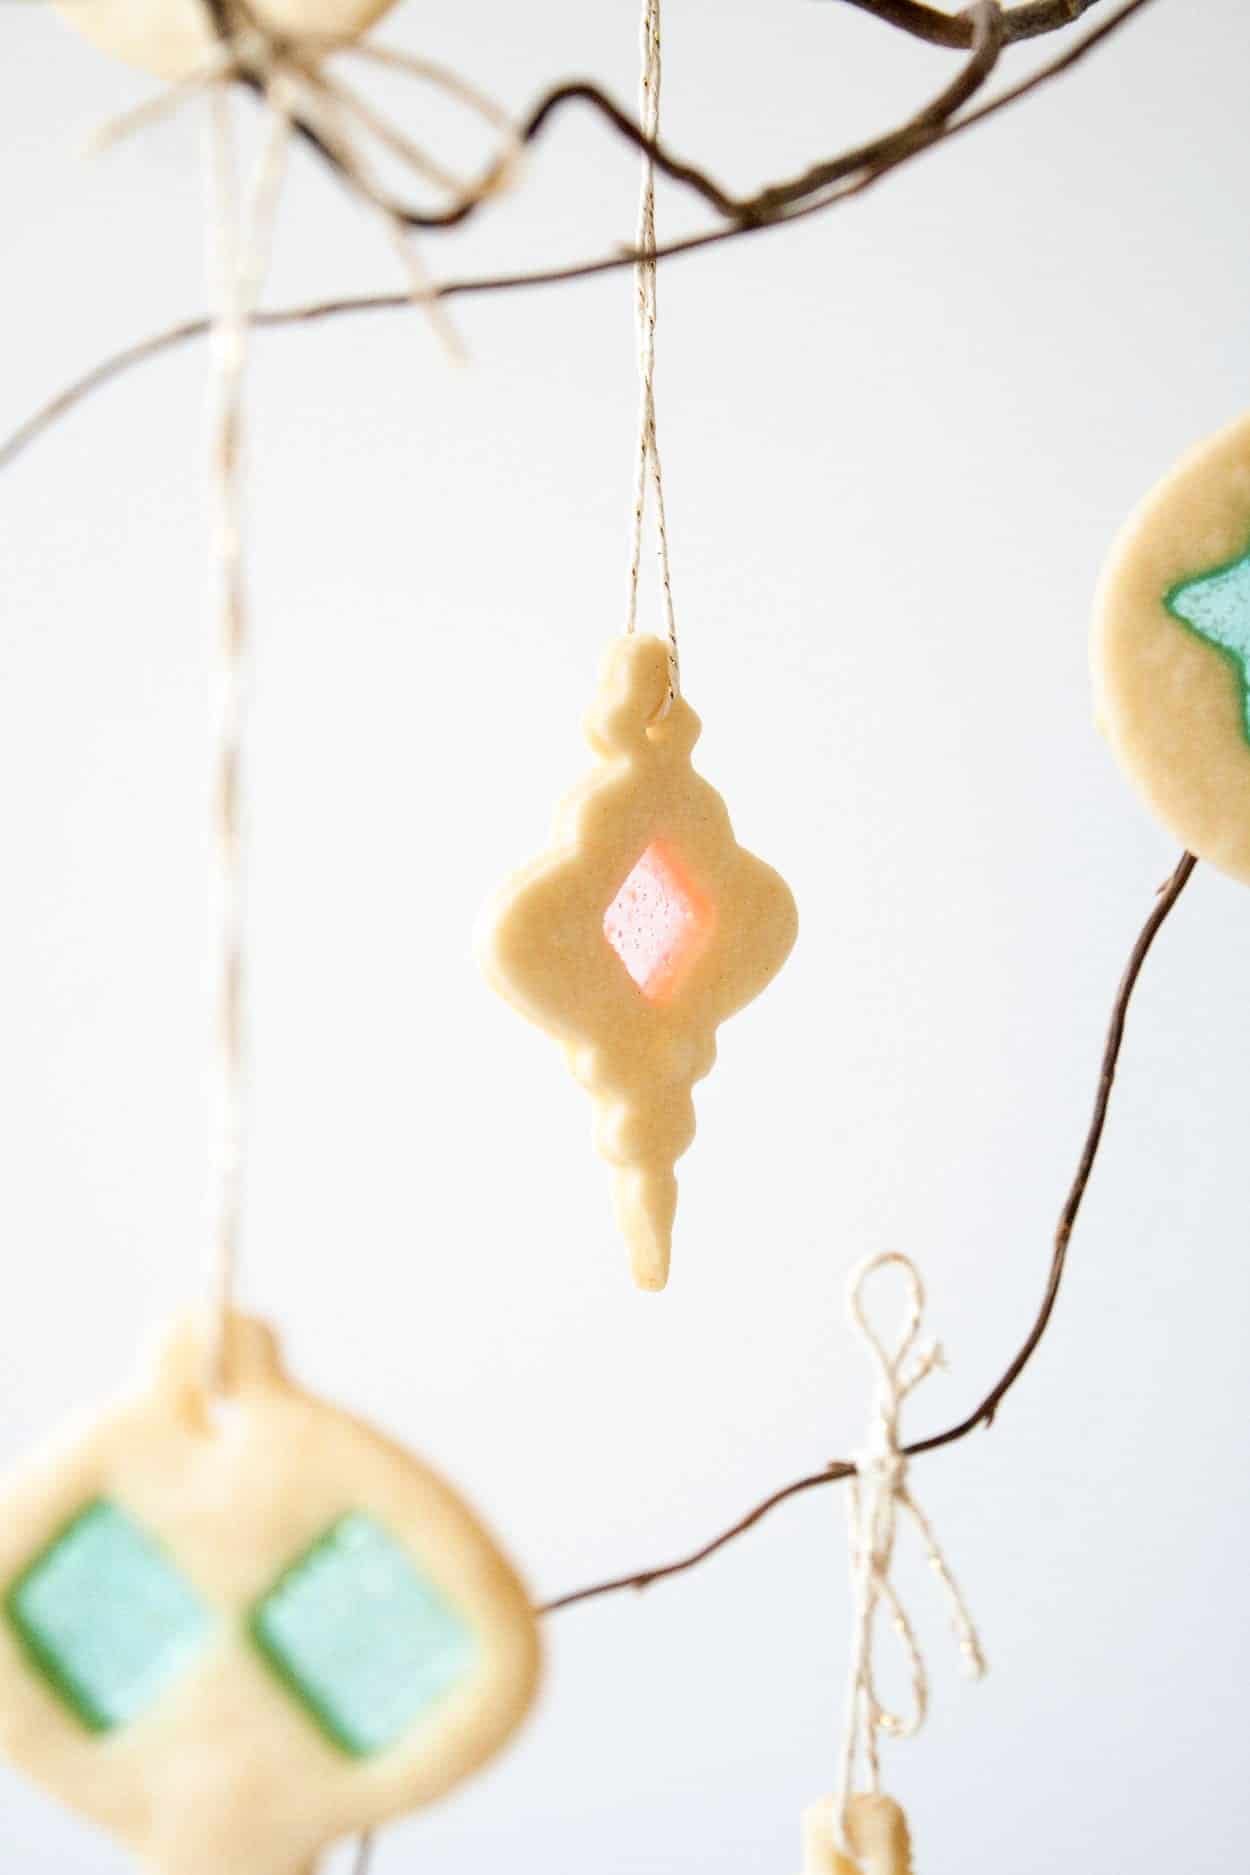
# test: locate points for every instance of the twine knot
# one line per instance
(878, 1493)
(883, 1470)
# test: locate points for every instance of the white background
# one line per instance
(898, 440)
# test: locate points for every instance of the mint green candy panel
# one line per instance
(1216, 607)
(106, 1617)
(361, 1638)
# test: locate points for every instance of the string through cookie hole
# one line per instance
(648, 470)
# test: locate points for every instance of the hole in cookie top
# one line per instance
(365, 1642)
(105, 1616)
(659, 924)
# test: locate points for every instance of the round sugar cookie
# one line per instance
(1171, 650)
(171, 38)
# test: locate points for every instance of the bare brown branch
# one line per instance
(940, 28)
(984, 1414)
(877, 160)
(984, 40)
(928, 125)
(646, 1577)
(984, 28)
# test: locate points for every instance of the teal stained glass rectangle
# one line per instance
(106, 1617)
(365, 1642)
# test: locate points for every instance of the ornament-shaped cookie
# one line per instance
(876, 1834)
(173, 38)
(642, 929)
(233, 1635)
(1171, 650)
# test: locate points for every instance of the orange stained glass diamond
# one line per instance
(659, 924)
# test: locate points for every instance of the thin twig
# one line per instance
(927, 126)
(982, 1415)
(1031, 21)
(984, 37)
(646, 1577)
(923, 139)
(963, 31)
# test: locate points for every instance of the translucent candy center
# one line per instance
(105, 1617)
(659, 924)
(362, 1639)
(1216, 605)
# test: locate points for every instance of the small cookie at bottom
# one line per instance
(876, 1834)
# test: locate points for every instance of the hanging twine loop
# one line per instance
(878, 1496)
(240, 243)
(240, 227)
(296, 87)
(648, 472)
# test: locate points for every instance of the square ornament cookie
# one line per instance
(637, 934)
(235, 1630)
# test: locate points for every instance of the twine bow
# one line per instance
(877, 1494)
(293, 77)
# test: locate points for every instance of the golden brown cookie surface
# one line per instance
(1171, 650)
(877, 1835)
(642, 930)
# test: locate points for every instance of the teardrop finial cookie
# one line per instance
(235, 1630)
(642, 930)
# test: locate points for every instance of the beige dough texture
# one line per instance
(876, 1832)
(642, 930)
(1170, 700)
(172, 38)
(223, 1770)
